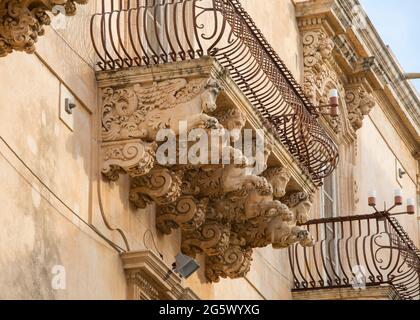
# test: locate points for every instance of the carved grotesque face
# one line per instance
(209, 96)
(279, 183)
(278, 178)
(305, 238)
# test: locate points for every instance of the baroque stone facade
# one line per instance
(330, 62)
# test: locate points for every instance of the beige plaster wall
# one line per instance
(45, 171)
(274, 19)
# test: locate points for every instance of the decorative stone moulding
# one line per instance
(334, 59)
(359, 103)
(222, 211)
(149, 278)
(23, 21)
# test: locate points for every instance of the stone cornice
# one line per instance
(23, 21)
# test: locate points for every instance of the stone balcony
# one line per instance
(224, 210)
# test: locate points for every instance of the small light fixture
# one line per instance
(411, 209)
(372, 199)
(332, 105)
(185, 266)
(398, 199)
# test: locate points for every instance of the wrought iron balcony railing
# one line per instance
(349, 251)
(147, 32)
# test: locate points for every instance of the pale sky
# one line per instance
(398, 23)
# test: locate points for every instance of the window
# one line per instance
(331, 232)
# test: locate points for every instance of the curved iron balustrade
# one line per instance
(146, 32)
(372, 248)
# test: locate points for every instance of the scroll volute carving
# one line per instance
(320, 75)
(317, 50)
(161, 186)
(359, 104)
(23, 21)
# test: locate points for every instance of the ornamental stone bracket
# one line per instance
(23, 21)
(334, 58)
(149, 278)
(222, 211)
(360, 102)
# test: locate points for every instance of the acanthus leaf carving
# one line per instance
(141, 110)
(317, 50)
(321, 72)
(23, 21)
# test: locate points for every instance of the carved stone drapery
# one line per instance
(222, 210)
(23, 21)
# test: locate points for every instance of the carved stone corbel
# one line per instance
(133, 157)
(23, 21)
(234, 263)
(300, 203)
(359, 104)
(212, 238)
(222, 210)
(161, 185)
(186, 213)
